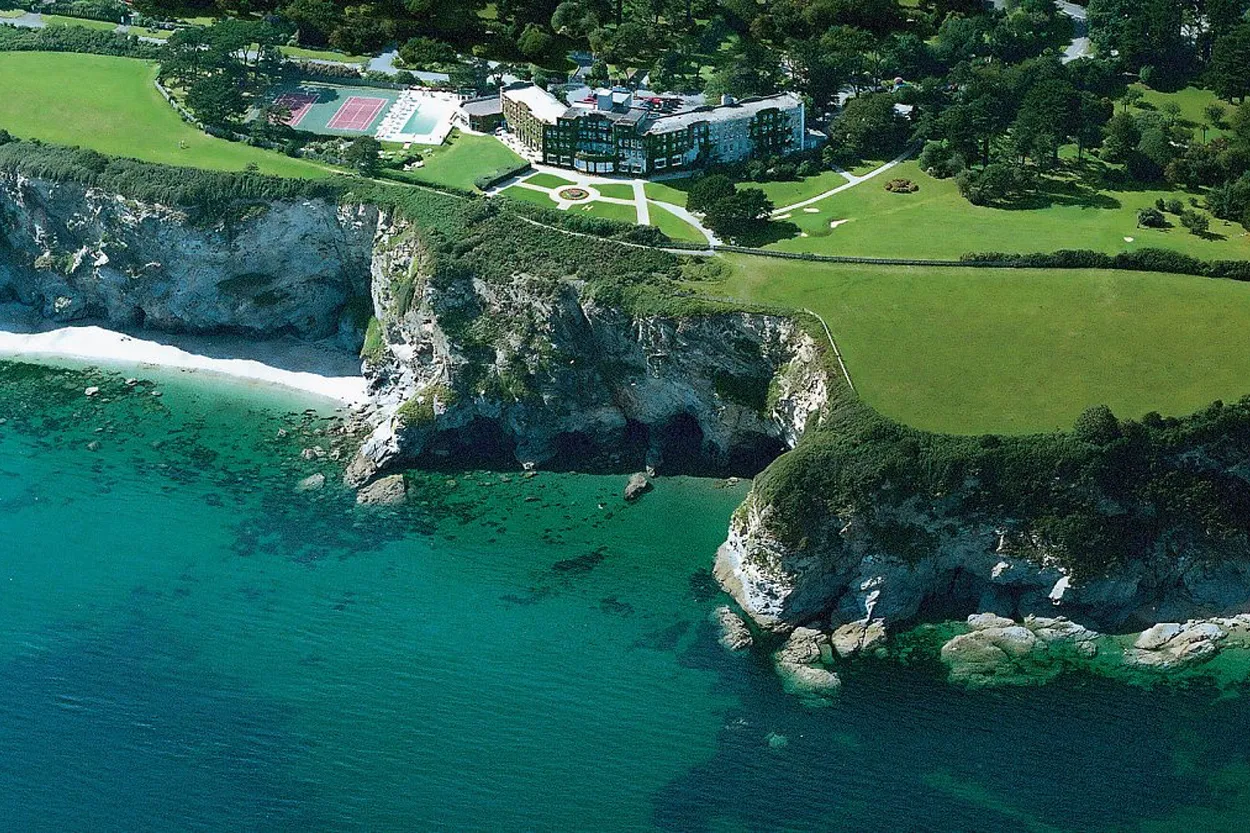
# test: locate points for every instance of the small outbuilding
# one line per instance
(483, 115)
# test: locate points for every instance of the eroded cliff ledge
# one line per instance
(531, 370)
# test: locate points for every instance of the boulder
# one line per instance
(734, 633)
(800, 663)
(864, 635)
(637, 486)
(386, 491)
(1171, 644)
(983, 621)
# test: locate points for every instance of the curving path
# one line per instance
(851, 182)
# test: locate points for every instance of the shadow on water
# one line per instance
(899, 749)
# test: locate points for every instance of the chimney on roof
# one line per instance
(726, 100)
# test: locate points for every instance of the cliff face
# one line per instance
(539, 373)
(934, 559)
(271, 268)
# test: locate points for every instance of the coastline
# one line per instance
(286, 363)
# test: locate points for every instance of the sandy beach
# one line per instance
(287, 362)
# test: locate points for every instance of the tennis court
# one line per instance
(357, 113)
(298, 103)
(331, 109)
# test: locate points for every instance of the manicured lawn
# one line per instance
(322, 55)
(145, 32)
(1015, 351)
(61, 20)
(548, 181)
(109, 104)
(788, 192)
(674, 226)
(937, 222)
(516, 192)
(12, 13)
(1191, 100)
(460, 160)
(671, 191)
(608, 210)
(616, 190)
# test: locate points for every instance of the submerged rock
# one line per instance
(637, 486)
(734, 633)
(311, 483)
(386, 491)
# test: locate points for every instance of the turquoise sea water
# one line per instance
(188, 644)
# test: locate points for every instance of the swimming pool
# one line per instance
(421, 122)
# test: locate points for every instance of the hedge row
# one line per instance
(880, 261)
(1141, 260)
(75, 39)
(495, 177)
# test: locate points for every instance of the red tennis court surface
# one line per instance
(357, 113)
(299, 105)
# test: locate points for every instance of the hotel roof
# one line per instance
(545, 106)
(724, 112)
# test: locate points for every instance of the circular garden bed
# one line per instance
(573, 194)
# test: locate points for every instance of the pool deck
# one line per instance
(442, 106)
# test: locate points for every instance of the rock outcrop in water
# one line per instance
(521, 369)
(909, 558)
(263, 269)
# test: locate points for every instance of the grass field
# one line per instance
(792, 191)
(616, 190)
(109, 104)
(322, 55)
(937, 222)
(61, 20)
(516, 192)
(674, 226)
(548, 181)
(145, 32)
(1015, 351)
(460, 160)
(608, 210)
(670, 191)
(1191, 100)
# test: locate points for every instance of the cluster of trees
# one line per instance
(1157, 146)
(224, 67)
(995, 125)
(1167, 42)
(728, 210)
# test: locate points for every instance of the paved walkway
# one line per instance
(851, 181)
(642, 205)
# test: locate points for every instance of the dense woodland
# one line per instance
(990, 98)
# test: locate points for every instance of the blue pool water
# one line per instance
(421, 122)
